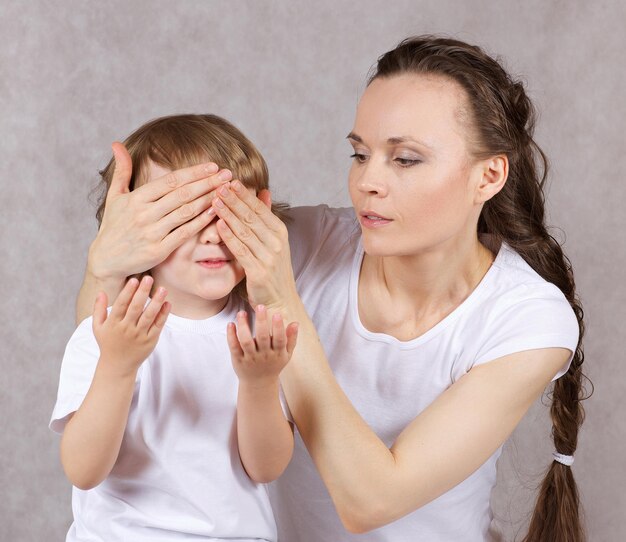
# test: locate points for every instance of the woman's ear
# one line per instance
(494, 174)
(266, 197)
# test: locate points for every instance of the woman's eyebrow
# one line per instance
(392, 140)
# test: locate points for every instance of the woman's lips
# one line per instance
(213, 264)
(372, 220)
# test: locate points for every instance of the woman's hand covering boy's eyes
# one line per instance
(258, 239)
(141, 228)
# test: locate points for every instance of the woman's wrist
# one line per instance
(97, 268)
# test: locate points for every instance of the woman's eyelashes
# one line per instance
(358, 157)
(402, 161)
(406, 162)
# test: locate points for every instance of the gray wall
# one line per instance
(77, 75)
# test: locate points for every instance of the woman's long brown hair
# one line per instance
(501, 121)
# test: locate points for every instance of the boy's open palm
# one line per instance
(129, 333)
(260, 359)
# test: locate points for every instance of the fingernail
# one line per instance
(223, 190)
(210, 211)
(225, 175)
(237, 186)
(277, 317)
(211, 168)
(218, 203)
(260, 308)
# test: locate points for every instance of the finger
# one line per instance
(149, 314)
(178, 236)
(184, 202)
(236, 351)
(100, 309)
(244, 335)
(260, 205)
(123, 170)
(249, 216)
(138, 302)
(160, 319)
(208, 173)
(279, 340)
(120, 306)
(183, 213)
(239, 250)
(245, 234)
(292, 337)
(262, 329)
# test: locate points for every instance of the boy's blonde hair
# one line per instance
(179, 141)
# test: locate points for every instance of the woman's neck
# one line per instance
(413, 293)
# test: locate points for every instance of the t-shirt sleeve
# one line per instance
(305, 229)
(542, 318)
(284, 405)
(77, 371)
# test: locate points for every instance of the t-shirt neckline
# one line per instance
(474, 297)
(217, 322)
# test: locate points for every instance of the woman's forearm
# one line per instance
(89, 289)
(354, 463)
(264, 435)
(92, 438)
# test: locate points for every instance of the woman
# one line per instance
(443, 319)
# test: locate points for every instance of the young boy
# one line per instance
(162, 440)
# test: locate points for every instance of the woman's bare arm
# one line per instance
(371, 484)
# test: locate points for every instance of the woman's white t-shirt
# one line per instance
(178, 475)
(391, 381)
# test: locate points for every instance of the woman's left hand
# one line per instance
(258, 239)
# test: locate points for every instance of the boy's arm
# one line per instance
(265, 437)
(92, 437)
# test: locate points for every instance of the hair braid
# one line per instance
(501, 121)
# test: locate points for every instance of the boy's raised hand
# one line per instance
(129, 333)
(259, 360)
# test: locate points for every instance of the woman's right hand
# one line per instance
(141, 228)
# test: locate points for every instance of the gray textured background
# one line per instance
(77, 75)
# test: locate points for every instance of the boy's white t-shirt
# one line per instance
(390, 381)
(178, 475)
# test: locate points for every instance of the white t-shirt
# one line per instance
(178, 475)
(391, 381)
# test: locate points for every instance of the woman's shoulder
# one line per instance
(318, 217)
(316, 230)
(515, 280)
(519, 310)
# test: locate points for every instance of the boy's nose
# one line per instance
(210, 234)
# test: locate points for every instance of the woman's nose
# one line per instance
(371, 179)
(210, 235)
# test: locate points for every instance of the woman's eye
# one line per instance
(406, 162)
(360, 158)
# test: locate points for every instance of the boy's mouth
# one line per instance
(213, 263)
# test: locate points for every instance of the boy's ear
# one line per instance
(266, 197)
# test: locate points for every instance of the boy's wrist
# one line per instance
(112, 370)
(259, 386)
